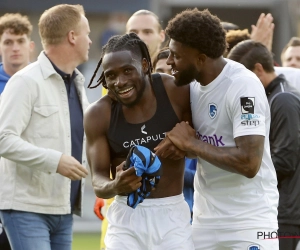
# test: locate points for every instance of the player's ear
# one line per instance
(71, 36)
(162, 36)
(201, 58)
(31, 46)
(258, 69)
(145, 65)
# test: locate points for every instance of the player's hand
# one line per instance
(126, 181)
(98, 207)
(263, 30)
(69, 167)
(182, 135)
(167, 149)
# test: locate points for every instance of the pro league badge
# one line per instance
(247, 105)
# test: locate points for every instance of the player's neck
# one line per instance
(211, 70)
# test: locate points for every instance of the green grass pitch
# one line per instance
(86, 241)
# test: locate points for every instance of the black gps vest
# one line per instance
(123, 135)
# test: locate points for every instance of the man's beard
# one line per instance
(186, 76)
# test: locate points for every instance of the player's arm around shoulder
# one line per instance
(96, 124)
(179, 98)
(246, 155)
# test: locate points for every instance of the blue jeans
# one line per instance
(26, 230)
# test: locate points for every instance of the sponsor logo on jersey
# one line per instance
(250, 123)
(142, 129)
(250, 119)
(211, 139)
(247, 105)
(249, 116)
(253, 247)
(144, 140)
(212, 110)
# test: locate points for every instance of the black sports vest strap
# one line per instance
(164, 106)
(123, 135)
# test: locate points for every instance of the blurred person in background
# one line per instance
(233, 37)
(116, 25)
(290, 55)
(100, 209)
(160, 62)
(15, 45)
(42, 142)
(284, 102)
(147, 26)
(229, 26)
(264, 30)
(15, 49)
(261, 32)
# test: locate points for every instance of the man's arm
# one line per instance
(96, 123)
(15, 113)
(245, 158)
(284, 131)
(245, 155)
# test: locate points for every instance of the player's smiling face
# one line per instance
(182, 60)
(125, 76)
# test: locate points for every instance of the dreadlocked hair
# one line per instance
(116, 43)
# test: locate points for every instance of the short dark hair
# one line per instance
(229, 26)
(200, 30)
(250, 52)
(130, 42)
(162, 54)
